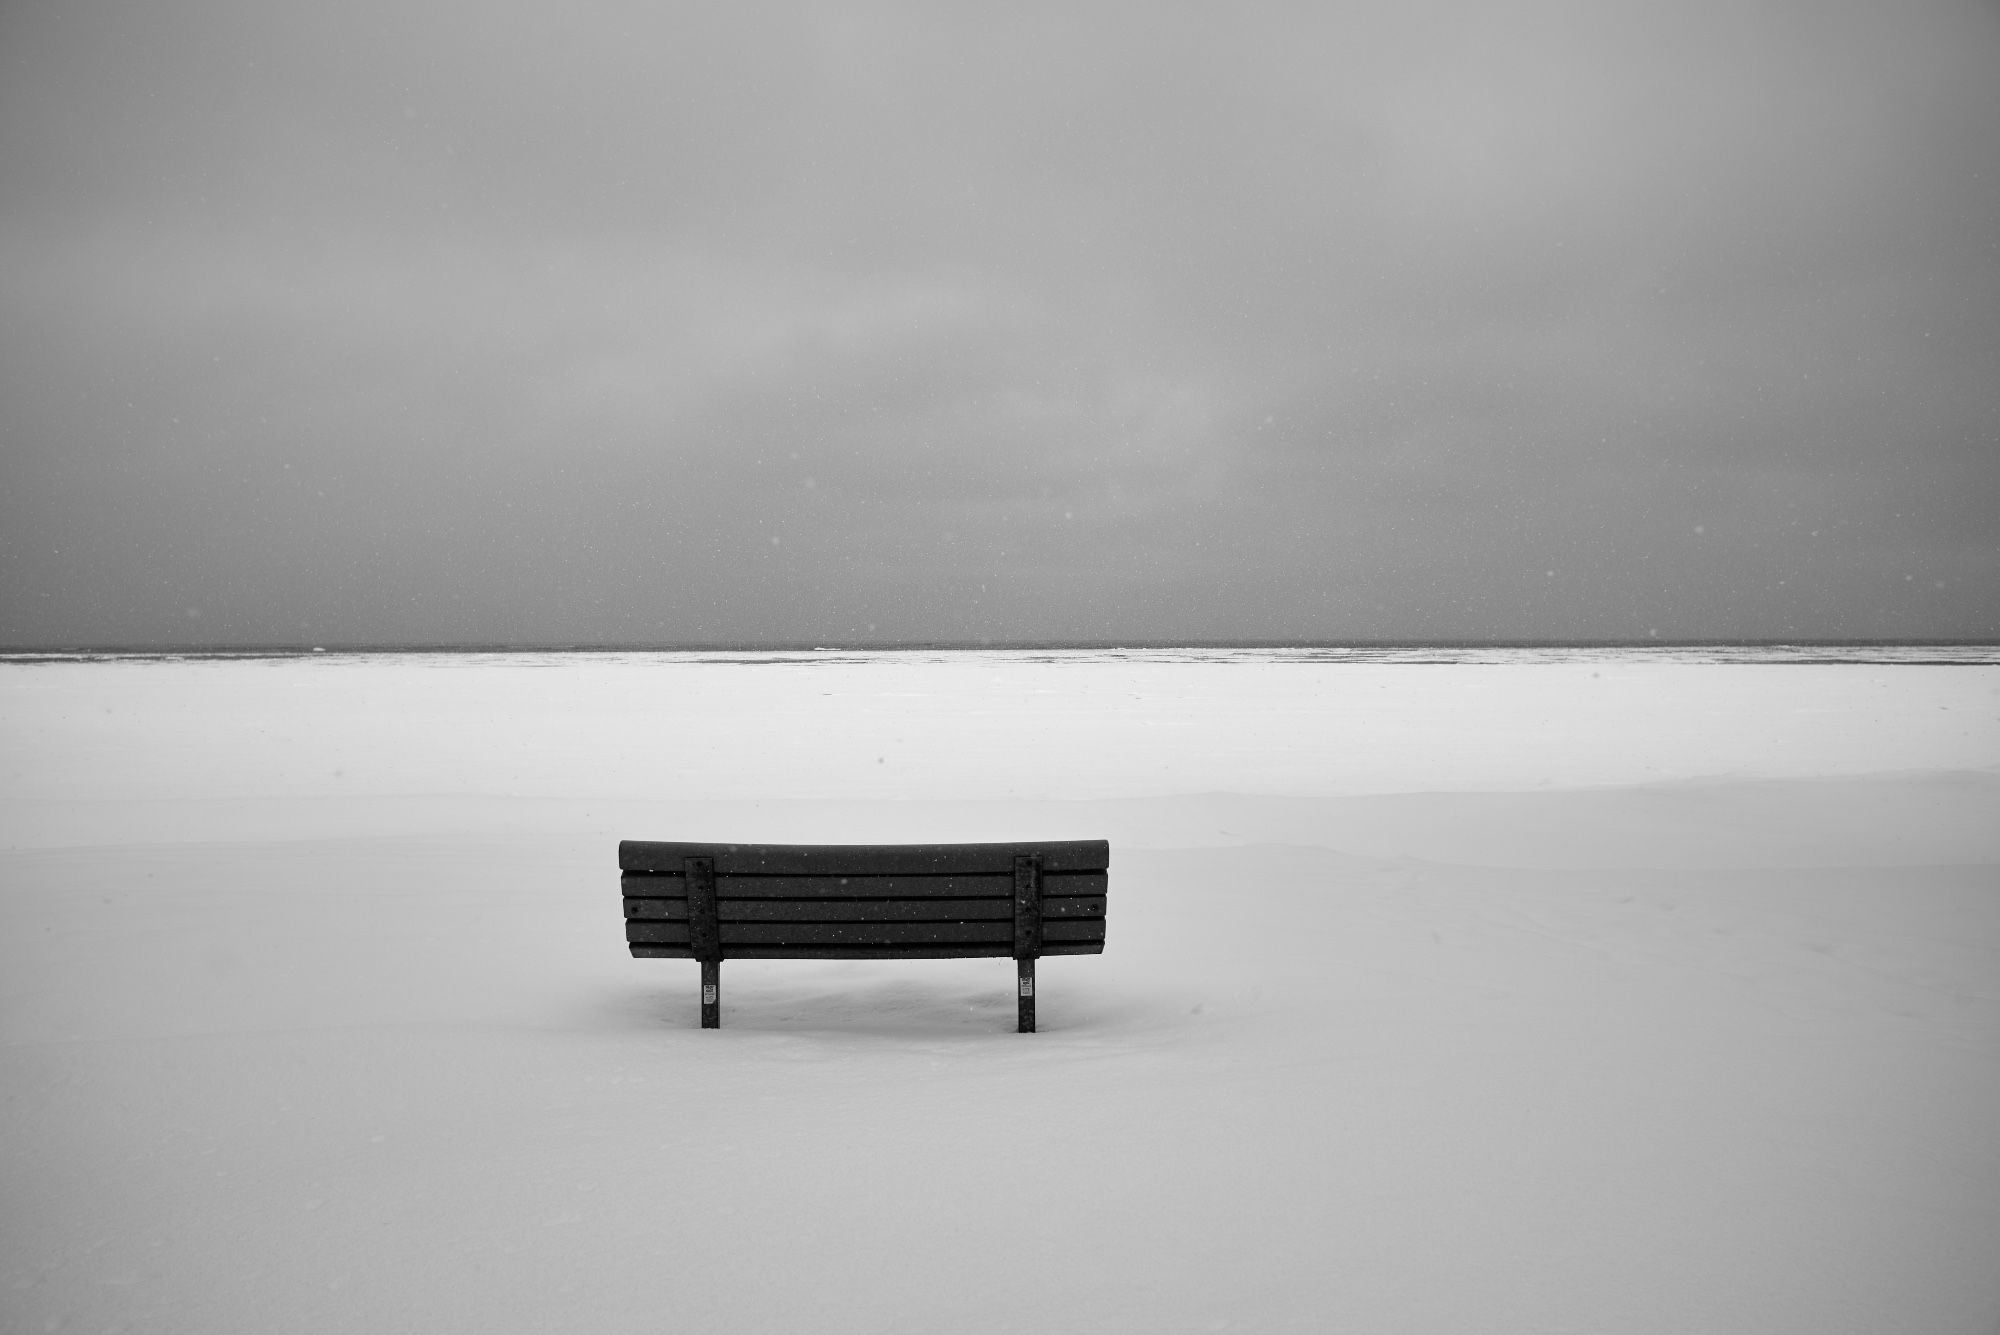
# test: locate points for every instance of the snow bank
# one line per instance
(1437, 999)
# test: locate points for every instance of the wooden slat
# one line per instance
(1070, 906)
(831, 910)
(664, 910)
(919, 951)
(867, 910)
(864, 859)
(652, 885)
(860, 933)
(825, 933)
(655, 932)
(854, 887)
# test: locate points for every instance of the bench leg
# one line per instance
(1026, 991)
(711, 994)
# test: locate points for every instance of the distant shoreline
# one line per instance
(1942, 652)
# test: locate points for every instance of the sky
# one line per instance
(413, 322)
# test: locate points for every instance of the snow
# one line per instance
(1594, 995)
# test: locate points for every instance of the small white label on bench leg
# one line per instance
(1027, 987)
(708, 995)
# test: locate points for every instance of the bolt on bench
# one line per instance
(709, 902)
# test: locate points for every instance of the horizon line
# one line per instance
(304, 649)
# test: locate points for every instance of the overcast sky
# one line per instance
(605, 322)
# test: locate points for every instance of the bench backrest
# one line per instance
(863, 901)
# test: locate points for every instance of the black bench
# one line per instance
(709, 902)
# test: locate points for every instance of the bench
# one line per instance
(709, 902)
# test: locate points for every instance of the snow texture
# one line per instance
(1584, 996)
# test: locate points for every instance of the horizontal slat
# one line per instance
(834, 910)
(654, 885)
(1071, 906)
(647, 951)
(829, 933)
(881, 887)
(865, 859)
(867, 910)
(859, 933)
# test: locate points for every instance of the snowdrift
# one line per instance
(1614, 996)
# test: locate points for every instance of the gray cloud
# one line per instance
(428, 322)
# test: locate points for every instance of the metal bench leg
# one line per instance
(1026, 966)
(711, 994)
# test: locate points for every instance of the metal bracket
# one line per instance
(1027, 906)
(1027, 934)
(704, 926)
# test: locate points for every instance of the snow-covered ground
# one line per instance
(1535, 996)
